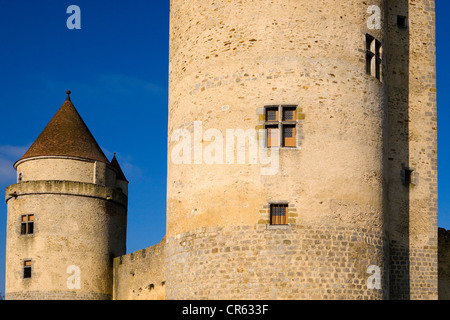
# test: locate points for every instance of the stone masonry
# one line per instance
(356, 184)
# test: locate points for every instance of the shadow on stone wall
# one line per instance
(444, 264)
(397, 50)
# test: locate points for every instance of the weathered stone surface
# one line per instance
(141, 275)
(352, 210)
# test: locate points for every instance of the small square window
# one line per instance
(278, 214)
(402, 22)
(407, 176)
(272, 114)
(288, 132)
(288, 113)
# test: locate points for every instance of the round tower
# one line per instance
(275, 155)
(66, 215)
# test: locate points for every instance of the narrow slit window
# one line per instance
(27, 224)
(378, 69)
(369, 59)
(278, 214)
(378, 55)
(27, 269)
(369, 41)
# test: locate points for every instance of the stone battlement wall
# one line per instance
(141, 275)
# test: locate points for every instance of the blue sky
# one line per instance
(117, 69)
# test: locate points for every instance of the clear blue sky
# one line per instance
(117, 69)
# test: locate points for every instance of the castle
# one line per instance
(324, 188)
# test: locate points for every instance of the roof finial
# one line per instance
(68, 95)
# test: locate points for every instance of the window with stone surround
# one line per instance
(27, 224)
(374, 53)
(27, 269)
(280, 126)
(278, 214)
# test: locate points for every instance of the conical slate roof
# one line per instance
(66, 135)
(115, 164)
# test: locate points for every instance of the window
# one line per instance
(289, 113)
(278, 214)
(272, 113)
(27, 224)
(280, 130)
(408, 176)
(289, 136)
(27, 269)
(272, 136)
(374, 53)
(402, 22)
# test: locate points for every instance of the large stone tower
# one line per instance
(293, 126)
(66, 215)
